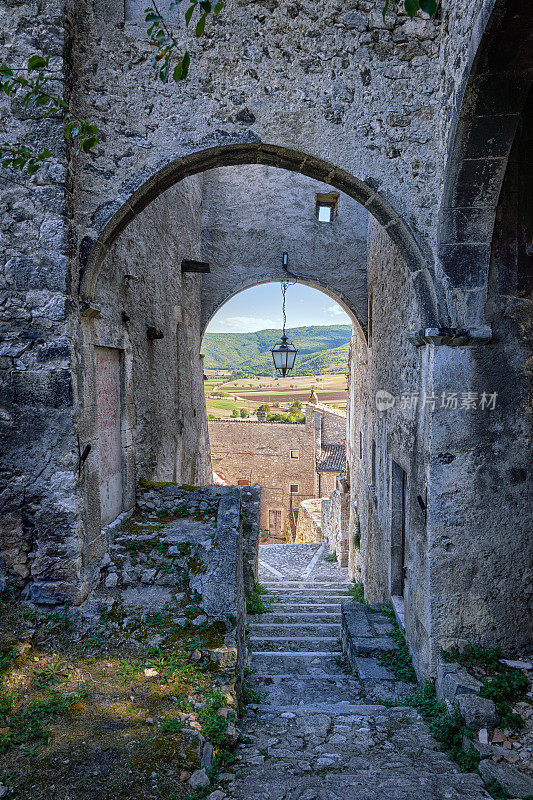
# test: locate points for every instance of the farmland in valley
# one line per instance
(223, 396)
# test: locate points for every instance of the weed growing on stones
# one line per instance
(496, 790)
(357, 591)
(332, 558)
(399, 660)
(254, 600)
(502, 684)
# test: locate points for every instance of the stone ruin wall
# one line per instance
(259, 452)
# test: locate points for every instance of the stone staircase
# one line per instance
(295, 649)
(313, 736)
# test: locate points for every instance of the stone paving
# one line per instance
(313, 736)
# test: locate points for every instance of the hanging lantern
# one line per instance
(284, 355)
(284, 352)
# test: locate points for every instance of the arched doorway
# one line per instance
(287, 435)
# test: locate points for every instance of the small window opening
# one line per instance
(295, 454)
(374, 463)
(327, 206)
(243, 483)
(295, 488)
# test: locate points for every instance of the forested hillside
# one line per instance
(321, 349)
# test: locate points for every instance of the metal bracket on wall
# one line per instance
(423, 503)
(82, 456)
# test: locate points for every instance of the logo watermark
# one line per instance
(453, 401)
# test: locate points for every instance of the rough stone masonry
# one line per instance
(427, 124)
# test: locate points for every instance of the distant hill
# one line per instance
(322, 349)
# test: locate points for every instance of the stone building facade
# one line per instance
(426, 123)
(283, 458)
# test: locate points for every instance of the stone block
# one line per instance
(478, 712)
(199, 779)
(44, 388)
(453, 681)
(516, 783)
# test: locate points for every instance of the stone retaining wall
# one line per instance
(184, 556)
(309, 526)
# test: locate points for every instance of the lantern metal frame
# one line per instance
(284, 352)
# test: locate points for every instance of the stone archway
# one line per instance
(493, 101)
(119, 214)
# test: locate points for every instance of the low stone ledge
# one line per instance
(453, 681)
(516, 783)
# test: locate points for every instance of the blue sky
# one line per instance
(260, 307)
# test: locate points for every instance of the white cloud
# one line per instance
(246, 323)
(335, 310)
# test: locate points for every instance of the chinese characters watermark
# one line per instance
(453, 401)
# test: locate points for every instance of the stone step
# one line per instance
(287, 609)
(280, 690)
(296, 618)
(305, 600)
(284, 662)
(305, 590)
(296, 629)
(295, 643)
(299, 585)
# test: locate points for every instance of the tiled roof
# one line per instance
(332, 458)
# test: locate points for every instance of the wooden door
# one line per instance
(274, 524)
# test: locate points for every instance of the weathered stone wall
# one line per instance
(399, 435)
(141, 293)
(254, 213)
(259, 452)
(41, 537)
(335, 525)
(309, 525)
(481, 469)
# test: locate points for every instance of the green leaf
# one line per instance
(4, 70)
(412, 6)
(177, 75)
(429, 6)
(206, 6)
(220, 6)
(37, 62)
(89, 143)
(200, 26)
(188, 14)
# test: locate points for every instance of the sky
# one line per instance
(260, 307)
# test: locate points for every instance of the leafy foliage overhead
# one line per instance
(33, 82)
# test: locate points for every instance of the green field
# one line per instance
(250, 393)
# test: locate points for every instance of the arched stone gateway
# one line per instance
(100, 367)
(433, 311)
(483, 131)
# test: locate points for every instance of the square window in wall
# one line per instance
(295, 454)
(295, 488)
(243, 483)
(327, 206)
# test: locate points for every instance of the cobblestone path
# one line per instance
(313, 736)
